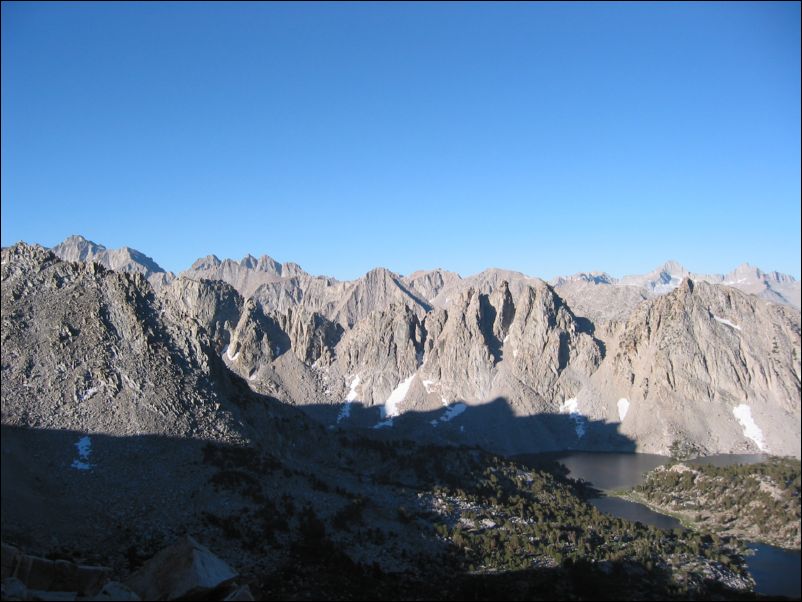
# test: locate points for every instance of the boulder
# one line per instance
(58, 575)
(114, 590)
(35, 572)
(86, 580)
(183, 570)
(8, 560)
(13, 589)
(51, 596)
(240, 594)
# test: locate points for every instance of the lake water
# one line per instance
(776, 571)
(635, 512)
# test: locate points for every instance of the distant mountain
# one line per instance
(124, 259)
(283, 286)
(245, 275)
(604, 302)
(773, 286)
(584, 277)
(662, 279)
(427, 284)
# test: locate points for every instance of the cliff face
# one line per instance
(719, 369)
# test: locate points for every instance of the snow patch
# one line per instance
(727, 322)
(345, 412)
(386, 422)
(571, 407)
(397, 396)
(227, 351)
(84, 446)
(743, 413)
(667, 287)
(450, 413)
(623, 408)
(391, 409)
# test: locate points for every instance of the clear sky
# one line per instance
(545, 138)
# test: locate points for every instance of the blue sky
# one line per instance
(546, 138)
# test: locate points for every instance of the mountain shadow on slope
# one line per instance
(493, 426)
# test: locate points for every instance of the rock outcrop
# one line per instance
(95, 350)
(42, 574)
(184, 570)
(214, 305)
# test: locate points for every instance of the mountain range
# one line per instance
(654, 362)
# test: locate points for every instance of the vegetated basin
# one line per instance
(776, 570)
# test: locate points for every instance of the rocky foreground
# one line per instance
(185, 570)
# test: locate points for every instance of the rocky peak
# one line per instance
(292, 270)
(584, 277)
(22, 256)
(659, 281)
(270, 265)
(77, 248)
(428, 283)
(248, 262)
(124, 259)
(248, 274)
(749, 274)
(673, 268)
(377, 289)
(206, 263)
(545, 341)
